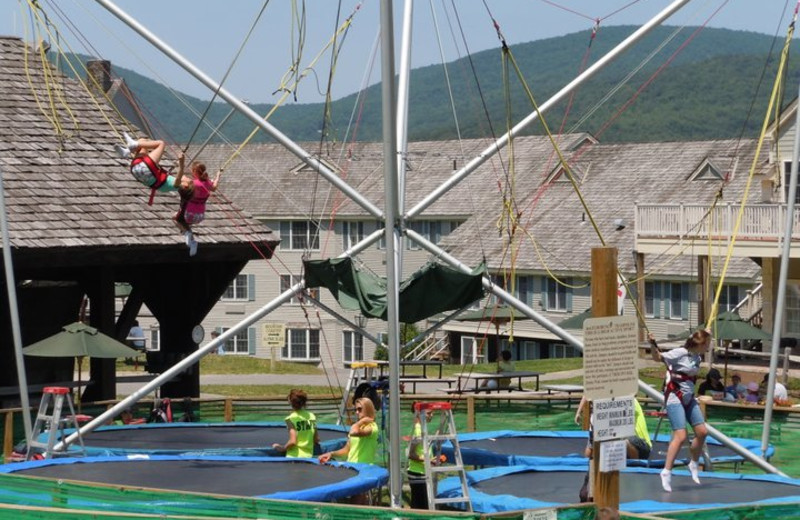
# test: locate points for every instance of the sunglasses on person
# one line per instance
(358, 408)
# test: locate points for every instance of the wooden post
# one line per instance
(8, 437)
(470, 413)
(640, 290)
(604, 303)
(228, 410)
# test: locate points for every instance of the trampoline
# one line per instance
(509, 448)
(241, 438)
(261, 477)
(528, 487)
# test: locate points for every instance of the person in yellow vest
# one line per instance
(416, 462)
(362, 441)
(302, 425)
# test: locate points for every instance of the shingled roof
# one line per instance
(70, 199)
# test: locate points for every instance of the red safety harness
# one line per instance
(159, 174)
(672, 387)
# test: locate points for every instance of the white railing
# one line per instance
(759, 221)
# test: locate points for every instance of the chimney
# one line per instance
(98, 76)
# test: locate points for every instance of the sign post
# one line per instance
(273, 337)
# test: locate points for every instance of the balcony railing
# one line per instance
(759, 221)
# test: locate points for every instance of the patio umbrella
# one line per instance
(78, 340)
(575, 322)
(730, 326)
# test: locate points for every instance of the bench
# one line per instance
(414, 380)
(472, 390)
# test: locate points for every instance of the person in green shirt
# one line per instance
(416, 461)
(362, 441)
(302, 425)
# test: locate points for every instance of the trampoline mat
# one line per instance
(228, 477)
(566, 446)
(563, 486)
(196, 437)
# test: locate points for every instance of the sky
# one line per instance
(209, 34)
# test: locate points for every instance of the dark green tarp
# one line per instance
(433, 289)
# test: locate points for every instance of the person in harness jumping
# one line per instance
(194, 193)
(683, 364)
(145, 166)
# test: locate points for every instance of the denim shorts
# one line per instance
(678, 415)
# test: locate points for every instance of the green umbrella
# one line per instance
(79, 340)
(730, 326)
(575, 322)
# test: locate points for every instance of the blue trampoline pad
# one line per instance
(263, 477)
(238, 438)
(510, 447)
(527, 487)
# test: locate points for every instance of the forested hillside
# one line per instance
(704, 91)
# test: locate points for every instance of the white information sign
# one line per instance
(542, 514)
(609, 357)
(612, 456)
(273, 335)
(613, 418)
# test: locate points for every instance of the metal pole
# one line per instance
(392, 242)
(498, 145)
(777, 324)
(245, 110)
(569, 338)
(404, 81)
(11, 287)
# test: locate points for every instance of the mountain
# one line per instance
(704, 92)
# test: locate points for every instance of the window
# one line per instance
(288, 281)
(352, 233)
(528, 350)
(677, 297)
(560, 350)
(525, 289)
(299, 236)
(239, 343)
(787, 171)
(155, 337)
(353, 346)
(557, 295)
(728, 298)
(649, 299)
(792, 312)
(423, 228)
(241, 288)
(301, 345)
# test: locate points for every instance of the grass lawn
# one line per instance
(240, 391)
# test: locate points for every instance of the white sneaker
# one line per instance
(187, 237)
(694, 471)
(123, 152)
(193, 247)
(130, 142)
(666, 480)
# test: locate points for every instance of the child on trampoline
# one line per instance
(302, 425)
(683, 364)
(146, 155)
(194, 193)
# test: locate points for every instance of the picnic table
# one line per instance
(481, 381)
(424, 363)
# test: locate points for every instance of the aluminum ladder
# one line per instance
(432, 443)
(360, 372)
(53, 423)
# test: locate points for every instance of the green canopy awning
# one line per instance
(433, 289)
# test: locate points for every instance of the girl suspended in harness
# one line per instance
(145, 166)
(194, 193)
(683, 364)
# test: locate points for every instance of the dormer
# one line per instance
(707, 171)
(559, 174)
(304, 168)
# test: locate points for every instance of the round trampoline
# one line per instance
(527, 487)
(509, 448)
(242, 438)
(262, 477)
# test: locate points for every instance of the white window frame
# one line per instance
(649, 299)
(352, 347)
(563, 351)
(556, 296)
(791, 321)
(299, 235)
(728, 298)
(673, 288)
(154, 344)
(238, 289)
(352, 234)
(308, 338)
(469, 351)
(238, 344)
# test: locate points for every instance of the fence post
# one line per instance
(470, 413)
(787, 352)
(8, 437)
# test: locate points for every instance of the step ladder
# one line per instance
(432, 443)
(53, 422)
(360, 372)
